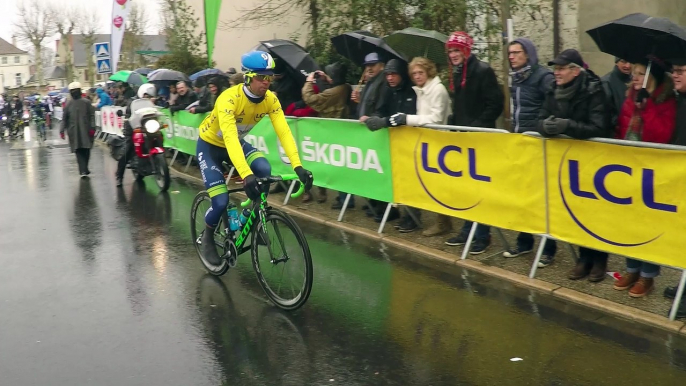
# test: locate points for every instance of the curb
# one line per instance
(559, 292)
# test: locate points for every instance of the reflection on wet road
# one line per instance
(101, 286)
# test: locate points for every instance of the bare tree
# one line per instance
(89, 26)
(134, 40)
(66, 18)
(47, 56)
(34, 25)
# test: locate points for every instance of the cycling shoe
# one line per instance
(209, 248)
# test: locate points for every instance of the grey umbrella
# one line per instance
(413, 42)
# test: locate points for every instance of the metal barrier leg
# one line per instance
(290, 191)
(188, 164)
(539, 253)
(176, 152)
(345, 206)
(385, 217)
(679, 295)
(573, 252)
(502, 238)
(470, 238)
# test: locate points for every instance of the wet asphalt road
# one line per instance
(101, 286)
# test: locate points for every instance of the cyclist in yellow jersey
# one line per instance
(235, 112)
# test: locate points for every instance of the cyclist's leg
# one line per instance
(258, 163)
(213, 177)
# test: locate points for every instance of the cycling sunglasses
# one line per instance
(263, 78)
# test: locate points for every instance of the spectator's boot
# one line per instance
(580, 271)
(209, 248)
(626, 281)
(307, 197)
(599, 270)
(442, 226)
(321, 196)
(642, 287)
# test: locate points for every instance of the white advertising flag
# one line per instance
(120, 11)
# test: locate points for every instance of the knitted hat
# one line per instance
(463, 42)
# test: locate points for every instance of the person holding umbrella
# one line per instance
(126, 94)
(215, 86)
(646, 119)
(79, 123)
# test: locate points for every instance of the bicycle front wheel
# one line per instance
(282, 261)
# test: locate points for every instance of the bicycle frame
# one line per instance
(250, 222)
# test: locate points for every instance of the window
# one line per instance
(4, 60)
(17, 78)
(16, 59)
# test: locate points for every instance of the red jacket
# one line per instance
(659, 115)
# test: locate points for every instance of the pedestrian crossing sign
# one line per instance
(102, 50)
(103, 66)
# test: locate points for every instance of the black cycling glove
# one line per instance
(305, 176)
(252, 188)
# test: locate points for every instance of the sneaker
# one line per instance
(120, 182)
(545, 261)
(456, 241)
(209, 248)
(479, 247)
(670, 292)
(517, 251)
(392, 216)
(84, 175)
(408, 226)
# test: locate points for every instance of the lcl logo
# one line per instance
(427, 162)
(600, 192)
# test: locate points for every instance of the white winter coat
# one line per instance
(433, 104)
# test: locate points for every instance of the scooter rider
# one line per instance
(146, 91)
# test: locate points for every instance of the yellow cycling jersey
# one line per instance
(234, 115)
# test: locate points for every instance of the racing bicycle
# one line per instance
(280, 254)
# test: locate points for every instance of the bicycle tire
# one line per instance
(273, 215)
(195, 234)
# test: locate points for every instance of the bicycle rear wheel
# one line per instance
(282, 260)
(201, 204)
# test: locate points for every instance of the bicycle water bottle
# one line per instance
(244, 216)
(234, 222)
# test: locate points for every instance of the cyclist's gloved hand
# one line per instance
(251, 187)
(305, 176)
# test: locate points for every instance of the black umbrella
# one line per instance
(355, 46)
(144, 71)
(166, 75)
(637, 36)
(292, 55)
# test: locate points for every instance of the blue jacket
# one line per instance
(528, 94)
(105, 99)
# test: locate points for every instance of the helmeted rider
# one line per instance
(145, 91)
(234, 114)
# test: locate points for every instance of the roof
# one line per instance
(54, 72)
(6, 48)
(81, 52)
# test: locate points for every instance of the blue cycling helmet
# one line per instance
(257, 63)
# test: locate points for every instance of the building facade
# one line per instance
(14, 66)
(231, 43)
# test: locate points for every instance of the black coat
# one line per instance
(401, 99)
(182, 101)
(206, 103)
(680, 128)
(481, 101)
(588, 111)
(615, 84)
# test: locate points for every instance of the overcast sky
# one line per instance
(8, 16)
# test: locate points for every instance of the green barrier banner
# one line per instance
(169, 132)
(346, 156)
(185, 131)
(342, 155)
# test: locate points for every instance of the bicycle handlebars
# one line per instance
(273, 179)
